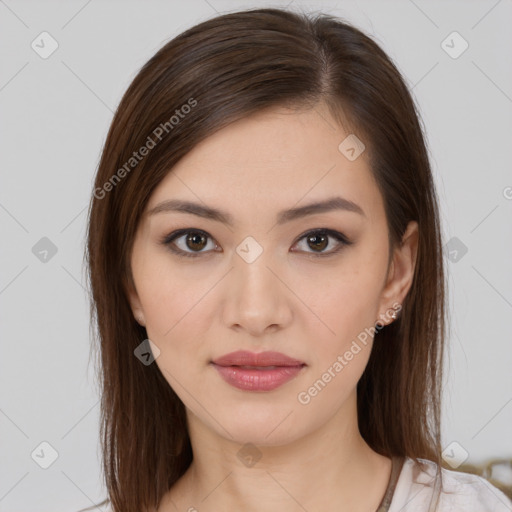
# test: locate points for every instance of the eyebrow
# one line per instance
(334, 203)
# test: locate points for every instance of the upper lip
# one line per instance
(246, 358)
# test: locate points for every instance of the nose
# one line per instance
(257, 297)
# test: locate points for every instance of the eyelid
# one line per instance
(341, 238)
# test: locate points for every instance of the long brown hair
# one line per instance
(214, 73)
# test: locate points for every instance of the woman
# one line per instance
(267, 278)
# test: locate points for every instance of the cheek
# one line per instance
(339, 313)
(342, 338)
(169, 293)
(340, 296)
(172, 324)
(178, 312)
(172, 315)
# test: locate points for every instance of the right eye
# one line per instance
(189, 239)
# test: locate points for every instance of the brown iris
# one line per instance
(313, 240)
(196, 241)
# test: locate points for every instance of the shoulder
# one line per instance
(419, 488)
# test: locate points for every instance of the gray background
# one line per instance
(55, 113)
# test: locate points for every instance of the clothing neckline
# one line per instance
(396, 467)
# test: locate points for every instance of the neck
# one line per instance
(330, 468)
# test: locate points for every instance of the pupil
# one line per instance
(321, 245)
(196, 238)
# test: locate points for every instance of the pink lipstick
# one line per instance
(262, 371)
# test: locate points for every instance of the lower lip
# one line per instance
(257, 380)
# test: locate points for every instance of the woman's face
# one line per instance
(263, 281)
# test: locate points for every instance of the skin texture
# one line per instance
(309, 307)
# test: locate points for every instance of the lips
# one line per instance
(260, 361)
(263, 371)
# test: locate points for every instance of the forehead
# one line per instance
(270, 161)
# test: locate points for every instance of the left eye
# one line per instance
(319, 239)
(196, 240)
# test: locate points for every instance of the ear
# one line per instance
(135, 303)
(401, 272)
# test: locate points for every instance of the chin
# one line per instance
(262, 426)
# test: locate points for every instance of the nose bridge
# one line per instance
(258, 297)
(252, 264)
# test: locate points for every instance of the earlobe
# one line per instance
(140, 319)
(138, 313)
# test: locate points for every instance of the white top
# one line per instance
(416, 491)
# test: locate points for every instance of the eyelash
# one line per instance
(340, 237)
